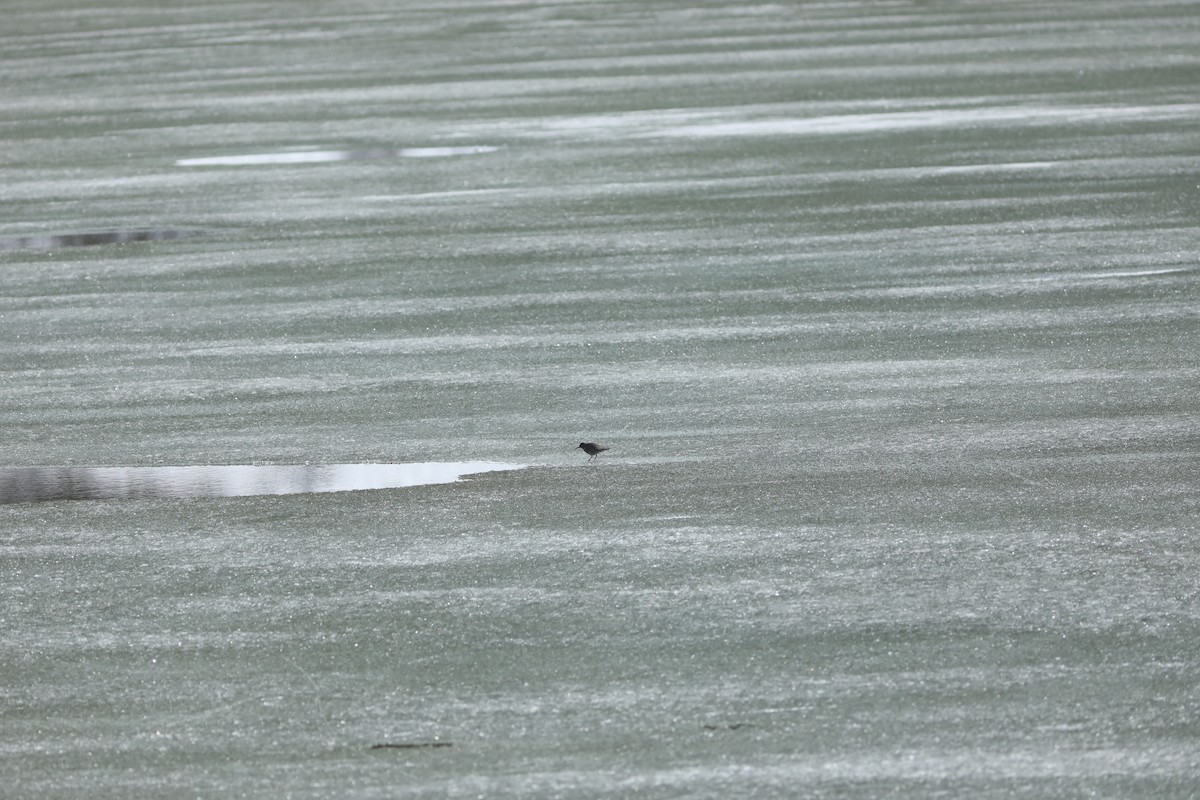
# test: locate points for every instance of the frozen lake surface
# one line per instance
(887, 310)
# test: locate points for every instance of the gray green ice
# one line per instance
(888, 311)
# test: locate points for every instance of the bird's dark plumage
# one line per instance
(592, 449)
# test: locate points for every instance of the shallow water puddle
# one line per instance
(326, 156)
(37, 484)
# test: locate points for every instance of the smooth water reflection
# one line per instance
(37, 484)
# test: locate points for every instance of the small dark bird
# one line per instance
(592, 449)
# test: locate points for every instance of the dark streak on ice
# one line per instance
(49, 241)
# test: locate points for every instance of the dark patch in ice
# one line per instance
(730, 727)
(409, 745)
(327, 156)
(39, 484)
(50, 241)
